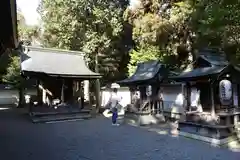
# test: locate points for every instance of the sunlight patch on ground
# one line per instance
(174, 133)
(163, 132)
(234, 146)
(4, 108)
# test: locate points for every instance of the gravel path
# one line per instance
(96, 139)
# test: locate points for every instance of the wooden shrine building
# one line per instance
(58, 74)
(146, 80)
(215, 110)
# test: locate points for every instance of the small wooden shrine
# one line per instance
(146, 80)
(59, 75)
(214, 112)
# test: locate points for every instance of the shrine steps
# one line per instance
(212, 141)
(65, 116)
(215, 134)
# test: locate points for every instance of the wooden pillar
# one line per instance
(235, 101)
(235, 95)
(39, 93)
(160, 98)
(97, 84)
(142, 90)
(188, 96)
(74, 88)
(238, 94)
(212, 100)
(154, 98)
(183, 90)
(82, 94)
(62, 91)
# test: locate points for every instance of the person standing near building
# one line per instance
(114, 105)
(115, 100)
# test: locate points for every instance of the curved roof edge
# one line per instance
(57, 63)
(145, 72)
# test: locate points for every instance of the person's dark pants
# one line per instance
(114, 116)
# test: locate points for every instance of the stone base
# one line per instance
(150, 119)
(144, 119)
(212, 141)
(211, 131)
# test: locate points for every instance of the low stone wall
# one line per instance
(10, 97)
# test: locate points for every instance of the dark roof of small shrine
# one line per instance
(216, 63)
(146, 72)
(55, 62)
(213, 57)
(199, 73)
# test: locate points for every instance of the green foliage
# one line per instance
(170, 31)
(178, 28)
(5, 60)
(161, 31)
(9, 64)
(142, 54)
(217, 24)
(95, 27)
(25, 32)
(13, 75)
(28, 32)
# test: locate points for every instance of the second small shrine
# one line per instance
(145, 81)
(211, 96)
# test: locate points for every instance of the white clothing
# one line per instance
(114, 100)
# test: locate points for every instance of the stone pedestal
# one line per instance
(150, 119)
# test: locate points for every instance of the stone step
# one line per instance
(210, 131)
(39, 114)
(50, 118)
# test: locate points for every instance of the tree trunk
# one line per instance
(97, 85)
(97, 95)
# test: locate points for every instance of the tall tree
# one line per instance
(160, 31)
(217, 24)
(13, 76)
(26, 33)
(95, 27)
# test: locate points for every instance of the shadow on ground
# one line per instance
(96, 139)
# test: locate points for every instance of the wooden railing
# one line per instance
(151, 106)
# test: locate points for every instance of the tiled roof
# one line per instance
(145, 71)
(200, 72)
(55, 62)
(213, 57)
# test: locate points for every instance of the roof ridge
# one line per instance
(55, 50)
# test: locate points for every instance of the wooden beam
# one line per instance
(83, 92)
(62, 91)
(39, 93)
(235, 95)
(188, 95)
(13, 6)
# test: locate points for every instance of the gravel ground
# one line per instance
(96, 139)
